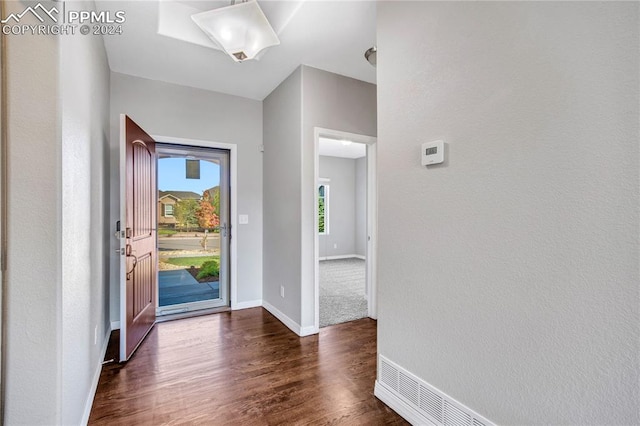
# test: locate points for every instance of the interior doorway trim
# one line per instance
(372, 216)
(233, 178)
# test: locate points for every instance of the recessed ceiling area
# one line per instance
(341, 148)
(161, 42)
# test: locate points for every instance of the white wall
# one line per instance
(178, 111)
(84, 88)
(342, 206)
(281, 183)
(361, 207)
(33, 276)
(57, 272)
(508, 276)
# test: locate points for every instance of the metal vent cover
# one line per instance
(389, 375)
(431, 403)
(428, 401)
(409, 388)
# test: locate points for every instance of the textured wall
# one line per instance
(84, 88)
(177, 111)
(508, 276)
(57, 293)
(33, 318)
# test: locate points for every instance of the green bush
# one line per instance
(209, 269)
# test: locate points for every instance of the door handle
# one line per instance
(129, 253)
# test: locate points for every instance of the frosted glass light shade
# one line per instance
(241, 29)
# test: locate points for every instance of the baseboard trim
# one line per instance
(291, 324)
(235, 306)
(399, 406)
(94, 383)
(309, 330)
(342, 256)
(115, 325)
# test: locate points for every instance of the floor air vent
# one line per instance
(428, 402)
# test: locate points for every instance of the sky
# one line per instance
(172, 171)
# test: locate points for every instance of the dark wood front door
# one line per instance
(140, 237)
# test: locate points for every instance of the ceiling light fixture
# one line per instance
(371, 55)
(241, 29)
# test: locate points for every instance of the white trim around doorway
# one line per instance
(372, 216)
(233, 179)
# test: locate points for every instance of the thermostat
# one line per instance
(432, 153)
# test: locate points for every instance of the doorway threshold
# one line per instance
(181, 313)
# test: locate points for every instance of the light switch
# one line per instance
(243, 219)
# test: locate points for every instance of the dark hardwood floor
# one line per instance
(244, 367)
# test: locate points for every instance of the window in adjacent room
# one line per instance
(323, 209)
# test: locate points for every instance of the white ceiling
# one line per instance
(342, 149)
(161, 42)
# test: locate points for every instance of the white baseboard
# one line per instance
(308, 331)
(342, 256)
(291, 324)
(94, 381)
(115, 325)
(245, 305)
(399, 406)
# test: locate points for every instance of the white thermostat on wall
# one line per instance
(432, 153)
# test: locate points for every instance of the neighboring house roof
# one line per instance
(180, 195)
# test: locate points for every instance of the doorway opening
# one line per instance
(345, 233)
(193, 228)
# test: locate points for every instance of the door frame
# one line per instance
(233, 163)
(233, 205)
(201, 153)
(371, 274)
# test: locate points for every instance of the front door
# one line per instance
(193, 228)
(138, 247)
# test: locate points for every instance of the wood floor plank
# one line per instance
(244, 367)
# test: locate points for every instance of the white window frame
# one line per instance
(164, 210)
(324, 182)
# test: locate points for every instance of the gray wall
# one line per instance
(178, 111)
(334, 102)
(342, 206)
(361, 207)
(281, 182)
(347, 206)
(308, 98)
(57, 292)
(85, 217)
(508, 276)
(34, 318)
